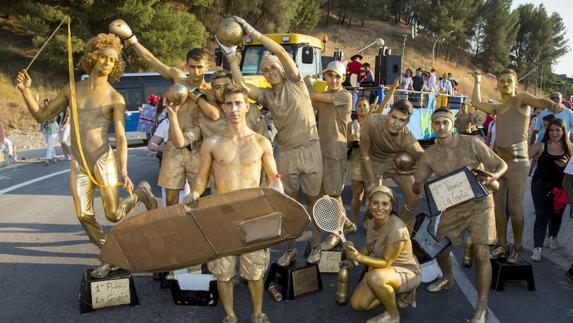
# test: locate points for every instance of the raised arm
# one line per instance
(121, 29)
(121, 139)
(208, 108)
(286, 60)
(315, 96)
(379, 108)
(59, 103)
(526, 99)
(230, 55)
(476, 97)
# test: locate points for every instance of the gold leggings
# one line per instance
(509, 198)
(83, 190)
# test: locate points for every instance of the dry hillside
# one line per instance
(17, 51)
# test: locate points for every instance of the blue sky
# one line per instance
(565, 9)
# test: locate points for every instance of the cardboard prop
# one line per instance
(222, 225)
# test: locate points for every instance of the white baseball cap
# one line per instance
(336, 66)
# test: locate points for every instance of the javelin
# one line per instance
(46, 43)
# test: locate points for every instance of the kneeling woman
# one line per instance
(392, 268)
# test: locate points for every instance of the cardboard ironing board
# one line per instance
(226, 224)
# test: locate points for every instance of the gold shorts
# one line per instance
(355, 171)
(301, 167)
(477, 217)
(335, 169)
(253, 265)
(382, 168)
(177, 165)
(409, 280)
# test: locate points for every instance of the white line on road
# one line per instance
(468, 289)
(32, 181)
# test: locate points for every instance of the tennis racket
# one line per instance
(330, 216)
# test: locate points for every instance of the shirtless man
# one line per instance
(381, 138)
(181, 155)
(98, 104)
(235, 157)
(449, 154)
(512, 121)
(299, 157)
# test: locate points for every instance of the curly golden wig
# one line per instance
(97, 43)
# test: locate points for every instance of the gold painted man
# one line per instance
(334, 107)
(381, 138)
(235, 158)
(448, 154)
(220, 80)
(98, 104)
(299, 159)
(512, 123)
(181, 155)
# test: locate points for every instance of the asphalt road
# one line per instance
(44, 252)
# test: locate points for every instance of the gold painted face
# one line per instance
(362, 108)
(506, 84)
(333, 80)
(197, 69)
(105, 62)
(272, 71)
(380, 206)
(442, 127)
(218, 86)
(235, 107)
(396, 121)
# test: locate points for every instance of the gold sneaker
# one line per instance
(260, 318)
(514, 256)
(440, 284)
(287, 258)
(480, 314)
(501, 252)
(102, 270)
(330, 242)
(384, 318)
(146, 196)
(230, 319)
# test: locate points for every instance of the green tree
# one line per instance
(500, 31)
(306, 17)
(165, 30)
(540, 40)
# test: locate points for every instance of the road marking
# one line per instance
(468, 289)
(32, 181)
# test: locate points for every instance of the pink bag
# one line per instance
(560, 199)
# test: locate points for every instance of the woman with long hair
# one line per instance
(552, 154)
(392, 268)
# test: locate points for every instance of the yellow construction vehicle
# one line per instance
(305, 50)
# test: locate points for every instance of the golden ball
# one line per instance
(229, 32)
(404, 162)
(177, 94)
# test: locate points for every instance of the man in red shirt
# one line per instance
(354, 66)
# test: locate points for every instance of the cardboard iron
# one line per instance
(226, 224)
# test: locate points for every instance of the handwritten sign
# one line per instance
(110, 293)
(329, 261)
(451, 191)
